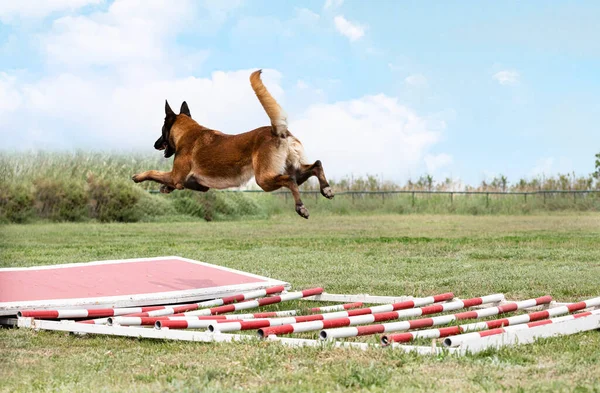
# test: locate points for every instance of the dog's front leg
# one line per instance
(165, 178)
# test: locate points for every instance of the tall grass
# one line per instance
(82, 186)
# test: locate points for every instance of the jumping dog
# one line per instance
(206, 158)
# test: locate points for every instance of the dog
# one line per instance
(206, 158)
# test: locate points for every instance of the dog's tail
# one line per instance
(274, 111)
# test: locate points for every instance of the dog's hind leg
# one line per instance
(307, 171)
(272, 183)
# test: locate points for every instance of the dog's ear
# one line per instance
(185, 109)
(168, 110)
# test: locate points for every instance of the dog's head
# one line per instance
(164, 142)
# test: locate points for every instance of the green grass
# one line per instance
(94, 186)
(521, 256)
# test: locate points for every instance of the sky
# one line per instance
(396, 89)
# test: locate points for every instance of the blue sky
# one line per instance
(393, 88)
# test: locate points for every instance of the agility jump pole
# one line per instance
(405, 325)
(142, 311)
(445, 319)
(336, 318)
(143, 321)
(521, 322)
(231, 326)
(260, 302)
(383, 316)
(456, 341)
(255, 324)
(338, 307)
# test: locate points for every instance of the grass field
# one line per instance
(521, 256)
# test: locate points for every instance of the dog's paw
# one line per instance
(327, 192)
(302, 211)
(136, 178)
(166, 189)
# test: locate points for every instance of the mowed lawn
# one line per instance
(520, 256)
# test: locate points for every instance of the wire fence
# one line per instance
(383, 195)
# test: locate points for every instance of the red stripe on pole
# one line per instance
(510, 307)
(223, 309)
(352, 305)
(47, 314)
(443, 296)
(449, 331)
(419, 323)
(491, 332)
(308, 318)
(497, 323)
(312, 292)
(436, 308)
(472, 302)
(360, 311)
(403, 305)
(466, 315)
(576, 306)
(403, 337)
(284, 329)
(369, 329)
(338, 322)
(384, 316)
(173, 324)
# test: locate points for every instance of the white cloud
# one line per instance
(372, 134)
(10, 10)
(416, 80)
(439, 161)
(332, 4)
(129, 32)
(507, 77)
(348, 29)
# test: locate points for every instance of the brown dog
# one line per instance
(206, 158)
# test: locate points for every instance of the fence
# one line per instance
(451, 194)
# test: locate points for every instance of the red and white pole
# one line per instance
(84, 313)
(444, 332)
(458, 340)
(155, 311)
(374, 314)
(519, 320)
(336, 307)
(143, 321)
(417, 323)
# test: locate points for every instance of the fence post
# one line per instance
(574, 198)
(383, 197)
(413, 199)
(544, 193)
(525, 195)
(487, 199)
(451, 198)
(352, 192)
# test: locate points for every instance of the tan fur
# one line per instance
(206, 158)
(274, 111)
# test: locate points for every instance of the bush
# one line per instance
(60, 200)
(16, 203)
(113, 200)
